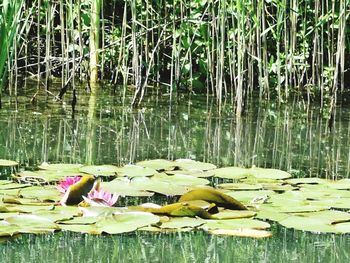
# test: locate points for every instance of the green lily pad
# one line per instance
(202, 174)
(27, 208)
(126, 222)
(308, 180)
(44, 176)
(87, 229)
(240, 186)
(272, 215)
(249, 196)
(183, 222)
(158, 164)
(60, 167)
(84, 220)
(4, 162)
(7, 229)
(13, 186)
(312, 224)
(342, 227)
(235, 224)
(231, 173)
(179, 179)
(135, 171)
(328, 216)
(99, 170)
(44, 193)
(268, 173)
(232, 214)
(125, 187)
(158, 186)
(32, 224)
(191, 165)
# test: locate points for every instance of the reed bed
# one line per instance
(225, 48)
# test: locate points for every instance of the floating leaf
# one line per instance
(32, 224)
(191, 165)
(158, 164)
(244, 232)
(232, 214)
(269, 173)
(12, 186)
(235, 224)
(44, 193)
(88, 229)
(231, 172)
(249, 196)
(99, 170)
(44, 176)
(85, 220)
(124, 187)
(240, 186)
(213, 196)
(202, 174)
(60, 167)
(7, 229)
(135, 171)
(308, 180)
(179, 179)
(4, 162)
(158, 186)
(27, 208)
(183, 222)
(308, 224)
(126, 222)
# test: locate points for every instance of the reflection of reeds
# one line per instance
(284, 137)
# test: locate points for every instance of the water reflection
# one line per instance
(106, 130)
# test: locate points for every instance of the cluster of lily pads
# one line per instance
(68, 197)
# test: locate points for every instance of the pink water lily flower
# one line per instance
(101, 198)
(67, 182)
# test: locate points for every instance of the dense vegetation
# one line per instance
(274, 47)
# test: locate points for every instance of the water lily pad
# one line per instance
(308, 224)
(183, 222)
(84, 220)
(342, 227)
(44, 193)
(158, 186)
(27, 208)
(191, 165)
(328, 216)
(272, 215)
(32, 224)
(99, 170)
(232, 214)
(126, 222)
(249, 196)
(308, 180)
(135, 171)
(7, 229)
(158, 164)
(231, 172)
(87, 229)
(202, 174)
(44, 176)
(269, 173)
(4, 162)
(124, 187)
(244, 232)
(12, 186)
(240, 186)
(60, 167)
(180, 179)
(235, 224)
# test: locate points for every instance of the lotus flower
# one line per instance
(68, 181)
(101, 198)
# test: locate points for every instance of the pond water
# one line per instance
(105, 130)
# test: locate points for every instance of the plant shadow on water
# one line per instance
(105, 130)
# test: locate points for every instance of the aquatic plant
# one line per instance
(101, 197)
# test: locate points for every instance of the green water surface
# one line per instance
(106, 130)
